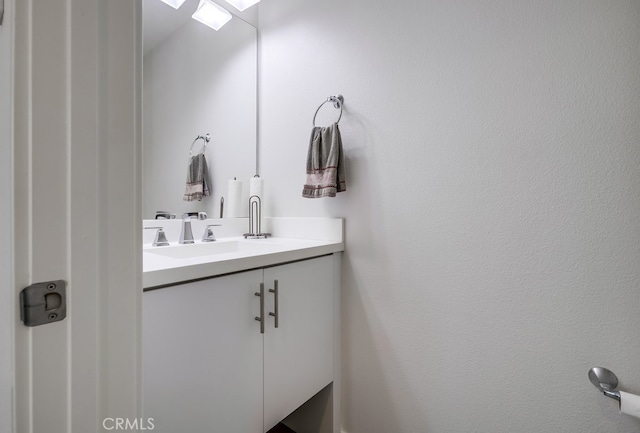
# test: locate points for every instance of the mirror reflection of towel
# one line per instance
(197, 179)
(325, 163)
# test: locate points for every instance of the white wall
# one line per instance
(7, 302)
(196, 82)
(492, 208)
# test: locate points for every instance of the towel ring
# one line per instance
(206, 139)
(338, 102)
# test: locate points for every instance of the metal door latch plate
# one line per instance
(43, 303)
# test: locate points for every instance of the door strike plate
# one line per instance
(43, 303)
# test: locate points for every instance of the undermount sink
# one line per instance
(208, 249)
(297, 239)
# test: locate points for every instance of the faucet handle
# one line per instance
(161, 239)
(208, 235)
(197, 215)
(165, 215)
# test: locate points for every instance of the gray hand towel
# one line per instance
(325, 163)
(197, 179)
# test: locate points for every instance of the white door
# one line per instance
(77, 212)
(203, 356)
(6, 227)
(298, 355)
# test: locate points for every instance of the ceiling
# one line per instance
(159, 20)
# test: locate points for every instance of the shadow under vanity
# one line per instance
(238, 339)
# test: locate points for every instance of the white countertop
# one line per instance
(300, 239)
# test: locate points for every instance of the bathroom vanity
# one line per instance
(243, 333)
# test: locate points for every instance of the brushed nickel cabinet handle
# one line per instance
(260, 319)
(275, 314)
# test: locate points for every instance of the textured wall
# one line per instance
(493, 203)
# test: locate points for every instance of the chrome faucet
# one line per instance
(186, 234)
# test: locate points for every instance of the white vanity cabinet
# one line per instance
(202, 356)
(298, 354)
(208, 367)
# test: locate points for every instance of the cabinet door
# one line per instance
(298, 355)
(202, 352)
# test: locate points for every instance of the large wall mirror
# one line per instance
(196, 81)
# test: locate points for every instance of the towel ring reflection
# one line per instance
(206, 139)
(338, 102)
